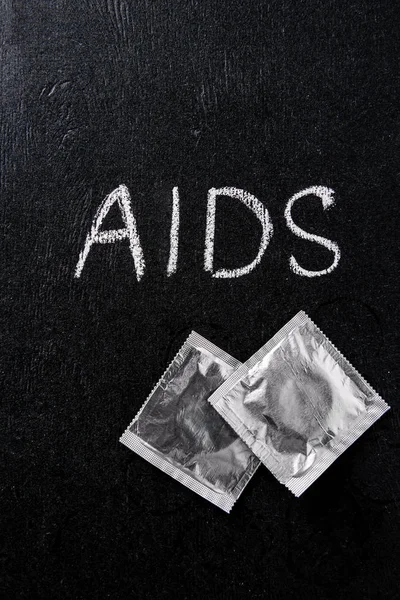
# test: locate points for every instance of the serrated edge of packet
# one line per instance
(295, 484)
(133, 442)
(195, 339)
(225, 500)
(298, 485)
(341, 359)
(377, 408)
(179, 356)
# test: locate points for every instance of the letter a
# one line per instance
(95, 236)
(260, 212)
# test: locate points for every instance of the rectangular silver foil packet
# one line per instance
(298, 403)
(179, 432)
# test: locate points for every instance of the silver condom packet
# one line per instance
(298, 403)
(179, 432)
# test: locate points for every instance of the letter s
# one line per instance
(326, 195)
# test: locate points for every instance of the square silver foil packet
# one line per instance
(298, 403)
(179, 432)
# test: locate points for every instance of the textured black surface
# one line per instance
(271, 97)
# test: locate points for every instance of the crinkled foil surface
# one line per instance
(297, 399)
(185, 429)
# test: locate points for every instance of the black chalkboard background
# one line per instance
(271, 97)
